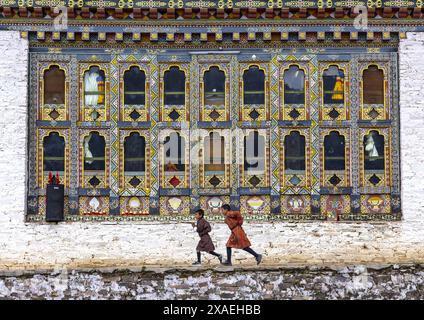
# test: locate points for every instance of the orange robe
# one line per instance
(238, 238)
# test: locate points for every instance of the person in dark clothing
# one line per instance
(205, 244)
(238, 238)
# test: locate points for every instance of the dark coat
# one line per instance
(205, 243)
(238, 238)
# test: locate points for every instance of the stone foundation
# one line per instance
(347, 283)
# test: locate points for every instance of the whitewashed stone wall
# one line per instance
(27, 246)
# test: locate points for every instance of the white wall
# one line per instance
(33, 245)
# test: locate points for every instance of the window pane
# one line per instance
(294, 151)
(94, 87)
(134, 86)
(333, 79)
(214, 153)
(214, 90)
(174, 85)
(174, 153)
(54, 86)
(94, 152)
(254, 86)
(54, 153)
(374, 151)
(294, 86)
(334, 151)
(134, 153)
(254, 152)
(373, 83)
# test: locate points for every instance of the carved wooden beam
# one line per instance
(285, 13)
(303, 13)
(269, 13)
(321, 13)
(119, 13)
(204, 13)
(23, 12)
(339, 13)
(417, 13)
(403, 12)
(170, 13)
(85, 12)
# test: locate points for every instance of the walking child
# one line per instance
(205, 244)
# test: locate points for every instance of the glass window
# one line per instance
(174, 150)
(134, 86)
(54, 153)
(174, 85)
(134, 153)
(254, 86)
(94, 152)
(334, 151)
(294, 152)
(373, 85)
(94, 87)
(333, 80)
(54, 86)
(373, 151)
(294, 85)
(214, 90)
(254, 152)
(214, 153)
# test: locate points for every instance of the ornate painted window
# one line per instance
(375, 164)
(94, 98)
(54, 95)
(214, 89)
(135, 161)
(374, 89)
(215, 173)
(294, 135)
(254, 159)
(214, 166)
(135, 86)
(254, 94)
(53, 155)
(175, 94)
(295, 159)
(334, 89)
(336, 158)
(94, 168)
(174, 164)
(294, 86)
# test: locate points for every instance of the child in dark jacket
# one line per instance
(205, 244)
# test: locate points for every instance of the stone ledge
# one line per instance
(217, 269)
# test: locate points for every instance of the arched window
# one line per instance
(334, 151)
(373, 85)
(174, 86)
(94, 152)
(214, 157)
(333, 82)
(53, 153)
(374, 152)
(54, 86)
(294, 153)
(174, 153)
(254, 86)
(214, 88)
(134, 86)
(134, 154)
(254, 152)
(94, 87)
(294, 85)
